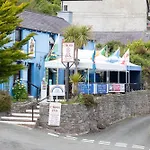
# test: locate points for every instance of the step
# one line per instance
(35, 110)
(24, 115)
(18, 118)
(18, 122)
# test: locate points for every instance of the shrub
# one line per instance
(19, 91)
(5, 101)
(87, 100)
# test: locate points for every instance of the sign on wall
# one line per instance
(116, 87)
(31, 47)
(86, 88)
(67, 52)
(57, 90)
(54, 114)
(102, 88)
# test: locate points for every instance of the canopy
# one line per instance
(85, 62)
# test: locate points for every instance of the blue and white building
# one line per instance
(47, 28)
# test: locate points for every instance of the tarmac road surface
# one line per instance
(130, 134)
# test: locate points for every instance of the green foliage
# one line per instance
(140, 54)
(113, 46)
(5, 102)
(9, 20)
(19, 91)
(50, 7)
(75, 79)
(84, 99)
(99, 46)
(88, 100)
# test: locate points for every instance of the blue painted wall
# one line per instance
(89, 46)
(41, 49)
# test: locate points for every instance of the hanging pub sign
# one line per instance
(67, 52)
(31, 47)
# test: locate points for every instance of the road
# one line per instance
(130, 134)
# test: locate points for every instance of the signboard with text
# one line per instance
(67, 52)
(102, 88)
(57, 90)
(116, 87)
(54, 114)
(86, 88)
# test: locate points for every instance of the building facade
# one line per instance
(109, 15)
(47, 29)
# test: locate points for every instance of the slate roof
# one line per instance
(123, 37)
(42, 22)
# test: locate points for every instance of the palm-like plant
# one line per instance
(75, 79)
(79, 35)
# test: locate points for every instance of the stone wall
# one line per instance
(78, 119)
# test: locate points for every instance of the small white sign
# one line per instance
(57, 90)
(43, 89)
(54, 114)
(68, 52)
(31, 47)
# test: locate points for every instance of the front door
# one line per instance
(29, 78)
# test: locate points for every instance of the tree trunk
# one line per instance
(76, 61)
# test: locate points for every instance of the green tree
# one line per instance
(140, 54)
(50, 7)
(79, 35)
(9, 55)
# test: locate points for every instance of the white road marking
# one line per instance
(121, 144)
(87, 141)
(70, 138)
(104, 143)
(138, 146)
(52, 134)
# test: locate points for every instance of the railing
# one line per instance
(37, 96)
(134, 87)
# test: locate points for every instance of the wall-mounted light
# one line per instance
(26, 64)
(38, 65)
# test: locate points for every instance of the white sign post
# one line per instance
(68, 55)
(43, 89)
(54, 114)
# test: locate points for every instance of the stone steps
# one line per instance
(25, 115)
(19, 123)
(35, 110)
(10, 118)
(22, 118)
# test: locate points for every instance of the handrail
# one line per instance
(37, 96)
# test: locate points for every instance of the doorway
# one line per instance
(29, 78)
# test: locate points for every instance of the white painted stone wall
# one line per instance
(110, 15)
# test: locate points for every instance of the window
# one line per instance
(18, 33)
(65, 7)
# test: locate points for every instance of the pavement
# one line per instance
(130, 134)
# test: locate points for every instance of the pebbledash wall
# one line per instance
(78, 119)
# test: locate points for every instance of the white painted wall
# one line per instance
(110, 15)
